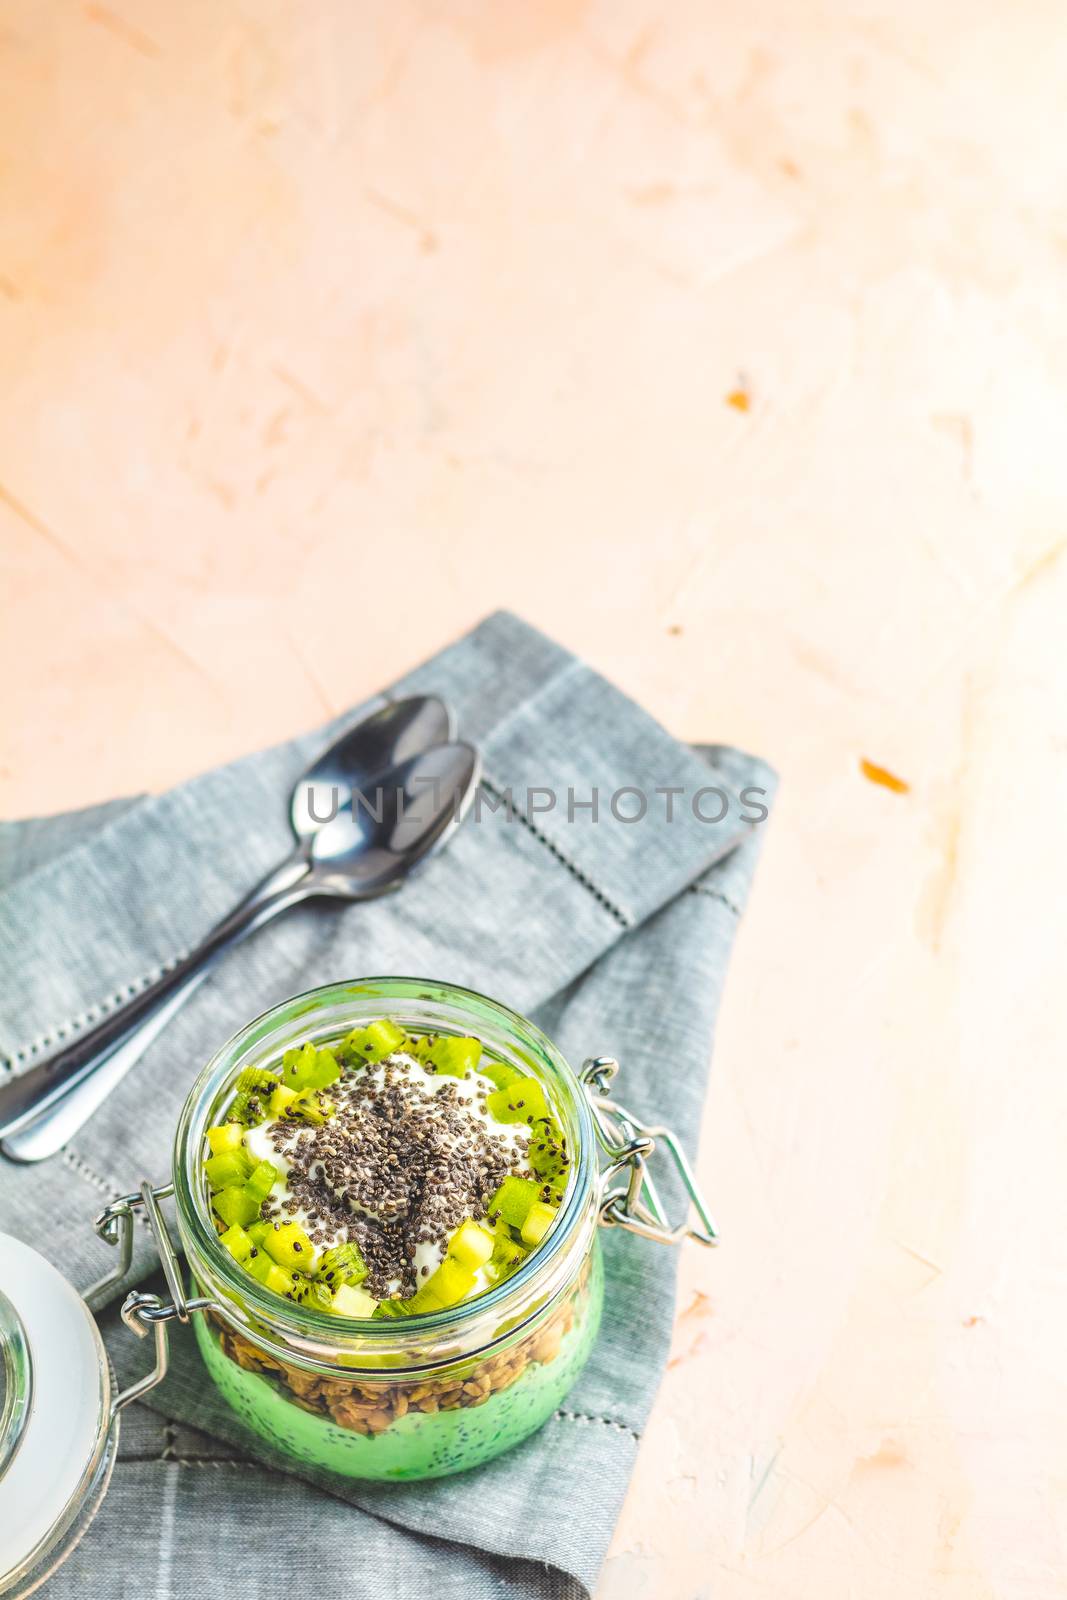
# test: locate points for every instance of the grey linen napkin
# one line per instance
(613, 934)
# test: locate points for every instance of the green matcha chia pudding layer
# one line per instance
(388, 1191)
(410, 1429)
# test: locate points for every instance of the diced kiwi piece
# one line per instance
(255, 1078)
(471, 1244)
(513, 1200)
(352, 1302)
(376, 1041)
(311, 1106)
(392, 1308)
(258, 1230)
(452, 1282)
(500, 1073)
(309, 1068)
(270, 1274)
(289, 1245)
(424, 1299)
(249, 1106)
(261, 1180)
(310, 1292)
(521, 1101)
(236, 1205)
(454, 1057)
(231, 1166)
(507, 1255)
(246, 1108)
(297, 1065)
(281, 1099)
(341, 1264)
(237, 1242)
(226, 1137)
(548, 1152)
(327, 1070)
(420, 1048)
(538, 1221)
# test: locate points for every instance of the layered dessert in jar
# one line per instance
(426, 1282)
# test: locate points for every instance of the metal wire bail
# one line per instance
(143, 1313)
(629, 1144)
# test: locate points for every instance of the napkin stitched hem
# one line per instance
(625, 919)
(94, 1013)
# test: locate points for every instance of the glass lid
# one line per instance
(55, 1408)
(16, 1382)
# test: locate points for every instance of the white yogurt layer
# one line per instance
(511, 1137)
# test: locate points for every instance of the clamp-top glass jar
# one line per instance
(428, 1394)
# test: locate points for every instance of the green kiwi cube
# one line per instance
(471, 1244)
(226, 1137)
(298, 1066)
(392, 1308)
(312, 1106)
(244, 1108)
(281, 1099)
(258, 1230)
(252, 1078)
(521, 1101)
(455, 1057)
(500, 1073)
(231, 1166)
(271, 1274)
(548, 1152)
(537, 1222)
(237, 1242)
(341, 1264)
(452, 1282)
(289, 1246)
(376, 1041)
(513, 1200)
(261, 1180)
(352, 1302)
(236, 1206)
(309, 1292)
(326, 1070)
(507, 1255)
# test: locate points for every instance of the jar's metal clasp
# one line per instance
(629, 1143)
(143, 1313)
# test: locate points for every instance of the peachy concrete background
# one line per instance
(728, 343)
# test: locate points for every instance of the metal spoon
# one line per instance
(376, 744)
(356, 855)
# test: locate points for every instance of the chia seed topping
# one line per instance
(407, 1157)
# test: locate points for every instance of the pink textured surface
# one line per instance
(325, 329)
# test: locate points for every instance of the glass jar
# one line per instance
(424, 1395)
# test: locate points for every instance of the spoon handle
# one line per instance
(43, 1108)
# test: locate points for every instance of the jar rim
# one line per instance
(393, 990)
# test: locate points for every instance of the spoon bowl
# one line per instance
(384, 740)
(371, 846)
